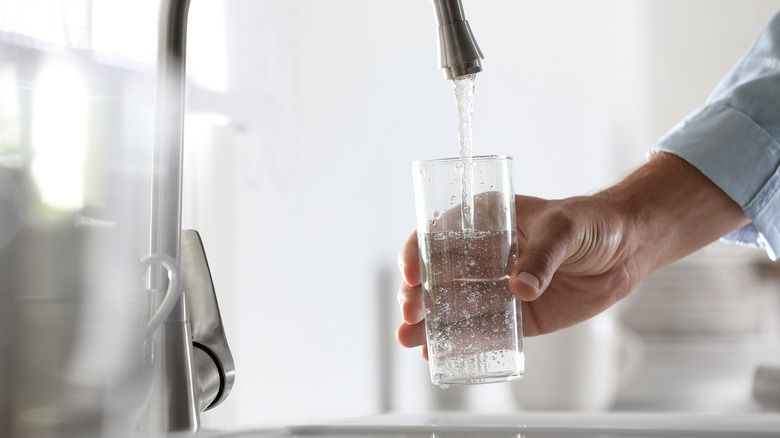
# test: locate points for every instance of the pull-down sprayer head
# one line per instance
(459, 54)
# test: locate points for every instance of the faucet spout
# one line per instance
(459, 53)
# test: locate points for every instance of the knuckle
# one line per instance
(403, 294)
(561, 222)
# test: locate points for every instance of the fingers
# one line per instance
(408, 261)
(410, 301)
(411, 335)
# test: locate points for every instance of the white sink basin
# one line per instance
(530, 425)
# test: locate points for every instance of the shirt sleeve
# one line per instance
(733, 139)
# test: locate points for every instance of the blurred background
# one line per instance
(302, 119)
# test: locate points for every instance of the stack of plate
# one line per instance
(706, 322)
(721, 289)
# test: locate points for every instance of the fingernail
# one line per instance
(529, 279)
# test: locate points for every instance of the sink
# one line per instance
(529, 425)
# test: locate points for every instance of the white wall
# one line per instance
(298, 174)
(691, 45)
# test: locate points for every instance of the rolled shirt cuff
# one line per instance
(741, 158)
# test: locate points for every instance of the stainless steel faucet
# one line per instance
(459, 53)
(192, 367)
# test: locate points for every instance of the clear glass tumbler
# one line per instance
(467, 233)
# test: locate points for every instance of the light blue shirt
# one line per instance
(733, 139)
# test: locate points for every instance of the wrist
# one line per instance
(669, 209)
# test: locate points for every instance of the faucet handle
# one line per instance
(212, 360)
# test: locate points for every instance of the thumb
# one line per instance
(535, 267)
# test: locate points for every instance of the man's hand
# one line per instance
(578, 256)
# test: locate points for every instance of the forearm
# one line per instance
(670, 210)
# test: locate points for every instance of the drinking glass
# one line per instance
(467, 235)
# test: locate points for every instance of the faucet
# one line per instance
(459, 54)
(193, 368)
